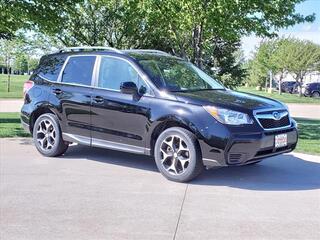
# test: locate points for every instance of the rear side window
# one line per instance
(50, 67)
(79, 70)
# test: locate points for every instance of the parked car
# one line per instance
(289, 87)
(149, 102)
(312, 90)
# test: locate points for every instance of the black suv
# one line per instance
(149, 102)
(289, 86)
(312, 90)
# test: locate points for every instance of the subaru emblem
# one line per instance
(276, 115)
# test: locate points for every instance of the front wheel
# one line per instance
(177, 155)
(47, 136)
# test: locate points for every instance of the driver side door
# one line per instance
(119, 120)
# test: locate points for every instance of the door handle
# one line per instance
(98, 99)
(57, 91)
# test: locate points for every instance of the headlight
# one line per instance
(227, 116)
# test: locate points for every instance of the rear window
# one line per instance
(79, 70)
(50, 67)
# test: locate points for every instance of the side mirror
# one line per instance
(129, 88)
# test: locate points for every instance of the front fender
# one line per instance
(172, 113)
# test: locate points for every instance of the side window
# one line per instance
(115, 71)
(50, 67)
(79, 70)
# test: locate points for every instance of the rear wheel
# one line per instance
(47, 136)
(316, 94)
(177, 155)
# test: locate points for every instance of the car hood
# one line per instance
(229, 99)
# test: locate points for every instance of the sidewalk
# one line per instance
(296, 110)
(10, 105)
(304, 110)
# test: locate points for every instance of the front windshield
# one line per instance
(176, 75)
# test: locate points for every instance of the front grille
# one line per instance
(271, 123)
(268, 120)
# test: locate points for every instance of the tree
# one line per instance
(20, 63)
(192, 24)
(262, 63)
(16, 54)
(32, 64)
(36, 14)
(106, 22)
(305, 57)
(282, 56)
(8, 50)
(192, 29)
(198, 30)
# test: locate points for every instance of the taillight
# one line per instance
(27, 86)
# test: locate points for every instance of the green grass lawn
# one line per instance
(10, 126)
(309, 132)
(284, 97)
(16, 89)
(309, 136)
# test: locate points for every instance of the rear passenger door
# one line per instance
(72, 96)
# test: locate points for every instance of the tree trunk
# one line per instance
(300, 86)
(266, 85)
(298, 77)
(8, 73)
(280, 91)
(8, 81)
(280, 82)
(197, 45)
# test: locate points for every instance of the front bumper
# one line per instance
(247, 148)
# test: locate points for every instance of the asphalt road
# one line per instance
(101, 194)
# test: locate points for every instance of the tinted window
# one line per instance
(79, 70)
(178, 75)
(115, 71)
(50, 67)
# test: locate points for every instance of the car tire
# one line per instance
(177, 155)
(315, 94)
(47, 136)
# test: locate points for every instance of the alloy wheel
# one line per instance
(175, 155)
(46, 134)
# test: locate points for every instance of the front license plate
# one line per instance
(280, 140)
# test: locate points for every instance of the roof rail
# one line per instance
(147, 51)
(84, 48)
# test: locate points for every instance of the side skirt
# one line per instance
(94, 142)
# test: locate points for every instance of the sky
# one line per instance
(306, 31)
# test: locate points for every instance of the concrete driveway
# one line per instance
(100, 194)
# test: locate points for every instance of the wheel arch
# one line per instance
(166, 123)
(37, 113)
